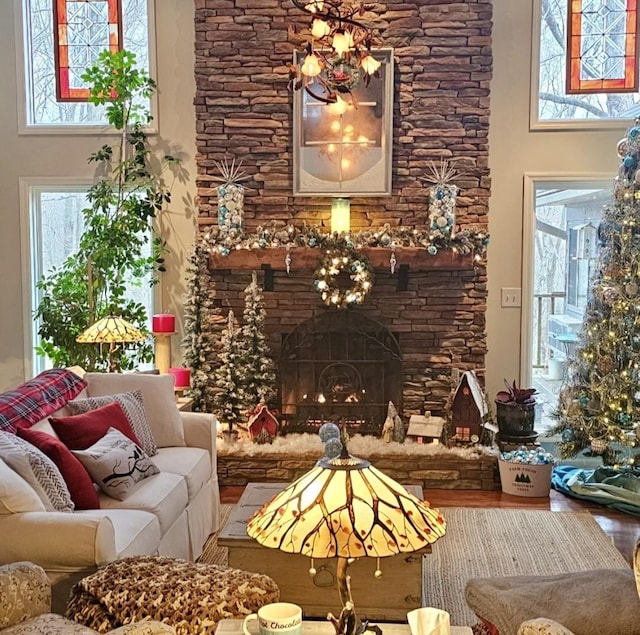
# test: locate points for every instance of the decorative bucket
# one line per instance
(524, 479)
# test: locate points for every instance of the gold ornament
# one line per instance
(631, 288)
(636, 177)
(598, 446)
(621, 148)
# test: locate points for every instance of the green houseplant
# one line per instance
(515, 412)
(115, 251)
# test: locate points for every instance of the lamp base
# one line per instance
(348, 623)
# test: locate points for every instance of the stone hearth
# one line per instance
(431, 467)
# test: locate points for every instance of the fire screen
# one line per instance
(340, 366)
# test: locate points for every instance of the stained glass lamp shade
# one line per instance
(346, 508)
(112, 330)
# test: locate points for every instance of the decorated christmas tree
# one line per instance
(257, 366)
(230, 400)
(599, 408)
(201, 330)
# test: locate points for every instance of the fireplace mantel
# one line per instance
(415, 258)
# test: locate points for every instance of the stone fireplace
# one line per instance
(422, 323)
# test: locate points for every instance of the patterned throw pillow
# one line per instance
(133, 406)
(116, 464)
(38, 470)
(35, 399)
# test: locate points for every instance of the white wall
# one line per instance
(514, 151)
(66, 156)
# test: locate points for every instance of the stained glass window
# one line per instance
(82, 30)
(602, 46)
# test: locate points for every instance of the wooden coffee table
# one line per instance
(398, 591)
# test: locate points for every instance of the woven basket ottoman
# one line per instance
(192, 597)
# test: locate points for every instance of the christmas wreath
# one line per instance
(330, 266)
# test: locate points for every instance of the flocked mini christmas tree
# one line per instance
(230, 400)
(257, 365)
(203, 323)
(600, 406)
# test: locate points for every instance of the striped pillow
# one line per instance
(38, 470)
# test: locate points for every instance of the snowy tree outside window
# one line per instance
(42, 107)
(553, 102)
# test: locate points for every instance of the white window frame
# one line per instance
(30, 230)
(535, 123)
(531, 181)
(23, 75)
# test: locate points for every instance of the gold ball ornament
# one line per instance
(631, 288)
(621, 148)
(598, 446)
(636, 177)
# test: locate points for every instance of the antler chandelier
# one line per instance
(338, 50)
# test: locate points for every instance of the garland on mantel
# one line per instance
(289, 236)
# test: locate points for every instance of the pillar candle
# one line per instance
(163, 323)
(182, 375)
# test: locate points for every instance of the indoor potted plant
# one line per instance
(116, 252)
(515, 412)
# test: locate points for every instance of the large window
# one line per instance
(54, 224)
(42, 107)
(552, 105)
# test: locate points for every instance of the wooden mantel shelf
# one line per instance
(415, 258)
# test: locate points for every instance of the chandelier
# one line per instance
(337, 49)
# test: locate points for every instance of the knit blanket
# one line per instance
(192, 597)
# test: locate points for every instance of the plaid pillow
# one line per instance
(35, 399)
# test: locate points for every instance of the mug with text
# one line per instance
(279, 618)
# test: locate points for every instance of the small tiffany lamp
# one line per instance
(112, 330)
(345, 508)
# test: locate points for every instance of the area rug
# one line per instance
(496, 542)
(503, 542)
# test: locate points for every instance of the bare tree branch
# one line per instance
(554, 28)
(574, 101)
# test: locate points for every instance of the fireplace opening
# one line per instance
(339, 366)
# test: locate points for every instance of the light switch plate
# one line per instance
(511, 297)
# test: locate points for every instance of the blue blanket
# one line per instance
(603, 485)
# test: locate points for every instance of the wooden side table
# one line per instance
(234, 627)
(184, 404)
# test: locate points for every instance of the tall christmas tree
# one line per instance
(600, 406)
(230, 400)
(257, 365)
(203, 323)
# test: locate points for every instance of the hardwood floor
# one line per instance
(624, 529)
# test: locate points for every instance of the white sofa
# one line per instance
(169, 514)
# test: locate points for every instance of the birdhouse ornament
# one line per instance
(263, 425)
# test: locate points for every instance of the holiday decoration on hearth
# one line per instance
(255, 364)
(230, 399)
(330, 266)
(263, 424)
(203, 326)
(468, 408)
(230, 198)
(442, 197)
(425, 428)
(598, 404)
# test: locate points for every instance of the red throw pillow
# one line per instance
(78, 432)
(83, 493)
